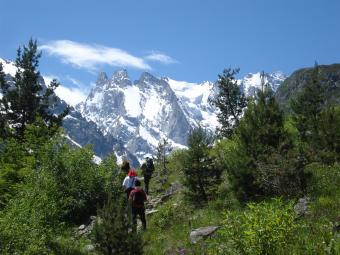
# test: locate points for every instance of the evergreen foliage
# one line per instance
(3, 87)
(329, 132)
(28, 99)
(262, 127)
(317, 123)
(201, 174)
(230, 100)
(307, 108)
(262, 160)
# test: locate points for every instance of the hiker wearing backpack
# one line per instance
(147, 170)
(129, 182)
(137, 198)
(125, 167)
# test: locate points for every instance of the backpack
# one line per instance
(131, 184)
(138, 198)
(149, 166)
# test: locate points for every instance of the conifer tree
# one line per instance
(3, 87)
(262, 126)
(230, 100)
(307, 108)
(265, 147)
(28, 98)
(201, 175)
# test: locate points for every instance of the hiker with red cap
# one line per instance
(129, 182)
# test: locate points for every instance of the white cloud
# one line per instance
(160, 57)
(49, 77)
(91, 56)
(72, 96)
(75, 81)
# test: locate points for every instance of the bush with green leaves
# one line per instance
(232, 157)
(329, 132)
(280, 174)
(323, 188)
(62, 186)
(80, 184)
(263, 228)
(30, 220)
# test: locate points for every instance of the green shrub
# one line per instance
(232, 157)
(62, 187)
(113, 231)
(324, 180)
(165, 217)
(263, 228)
(30, 220)
(80, 183)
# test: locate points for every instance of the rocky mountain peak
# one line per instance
(102, 78)
(148, 78)
(121, 77)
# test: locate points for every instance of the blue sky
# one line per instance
(183, 39)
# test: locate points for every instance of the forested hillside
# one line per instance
(329, 79)
(267, 182)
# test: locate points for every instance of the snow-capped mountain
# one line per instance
(78, 130)
(193, 98)
(139, 113)
(252, 81)
(130, 118)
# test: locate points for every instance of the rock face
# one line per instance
(330, 80)
(82, 132)
(200, 233)
(130, 118)
(138, 114)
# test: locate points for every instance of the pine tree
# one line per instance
(3, 87)
(262, 126)
(230, 100)
(28, 98)
(201, 175)
(266, 148)
(307, 108)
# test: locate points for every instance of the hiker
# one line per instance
(129, 182)
(125, 167)
(137, 198)
(147, 170)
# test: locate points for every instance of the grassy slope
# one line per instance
(169, 229)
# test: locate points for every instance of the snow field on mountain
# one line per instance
(132, 101)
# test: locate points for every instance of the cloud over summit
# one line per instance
(92, 56)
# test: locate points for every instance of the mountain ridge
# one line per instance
(132, 117)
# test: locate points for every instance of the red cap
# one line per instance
(132, 173)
